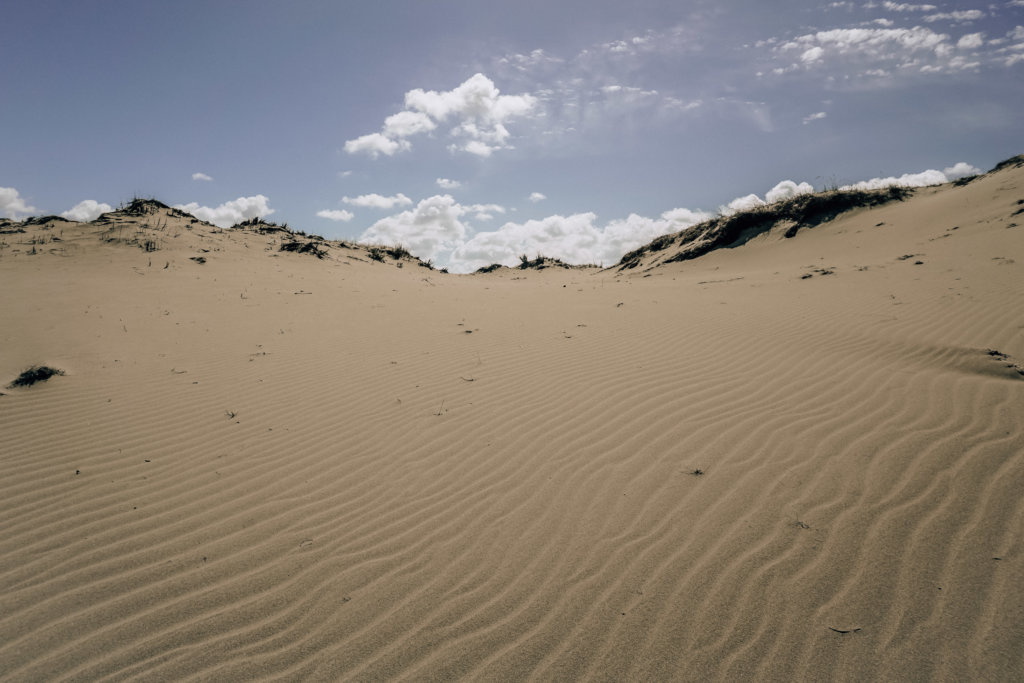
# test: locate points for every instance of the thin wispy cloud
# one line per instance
(376, 201)
(446, 184)
(338, 215)
(201, 176)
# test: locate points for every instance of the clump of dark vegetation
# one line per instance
(802, 211)
(398, 252)
(141, 207)
(489, 269)
(262, 227)
(1012, 162)
(304, 248)
(377, 254)
(541, 262)
(966, 180)
(36, 373)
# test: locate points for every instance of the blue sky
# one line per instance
(473, 131)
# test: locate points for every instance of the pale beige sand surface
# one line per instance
(270, 465)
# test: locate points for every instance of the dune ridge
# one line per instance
(275, 465)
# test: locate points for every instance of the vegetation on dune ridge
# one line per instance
(1012, 162)
(538, 263)
(801, 211)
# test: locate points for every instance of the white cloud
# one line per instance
(958, 16)
(201, 176)
(480, 149)
(904, 7)
(814, 117)
(750, 201)
(11, 204)
(375, 144)
(871, 53)
(336, 214)
(230, 213)
(446, 184)
(782, 190)
(971, 41)
(376, 201)
(537, 197)
(787, 189)
(431, 228)
(478, 107)
(86, 210)
(960, 169)
(485, 212)
(406, 123)
(812, 54)
(922, 179)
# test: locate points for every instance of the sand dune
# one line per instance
(796, 459)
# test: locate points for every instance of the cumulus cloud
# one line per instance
(814, 117)
(430, 229)
(750, 201)
(446, 184)
(336, 215)
(782, 190)
(477, 107)
(922, 179)
(86, 210)
(230, 213)
(12, 204)
(537, 197)
(376, 201)
(201, 176)
(376, 144)
(787, 189)
(961, 169)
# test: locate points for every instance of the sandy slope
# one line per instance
(274, 466)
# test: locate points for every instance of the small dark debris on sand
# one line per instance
(36, 373)
(199, 259)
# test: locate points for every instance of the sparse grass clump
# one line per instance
(36, 373)
(398, 252)
(304, 248)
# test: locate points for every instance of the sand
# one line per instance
(275, 466)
